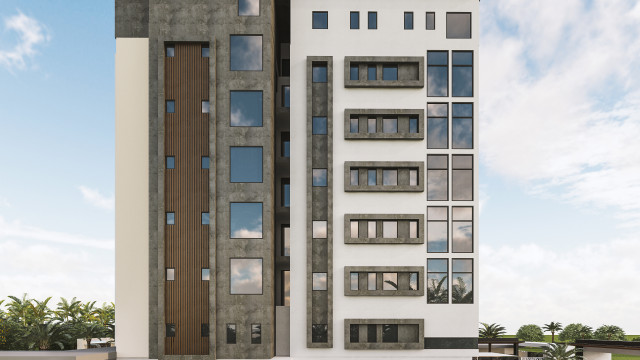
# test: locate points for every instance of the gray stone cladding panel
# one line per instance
(402, 115)
(403, 168)
(403, 281)
(403, 228)
(132, 18)
(408, 337)
(410, 71)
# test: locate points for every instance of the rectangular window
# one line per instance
(286, 193)
(319, 177)
(437, 177)
(205, 218)
(246, 220)
(320, 20)
(355, 177)
(353, 277)
(372, 333)
(371, 177)
(390, 177)
(462, 229)
(437, 73)
(413, 229)
(205, 106)
(286, 67)
(462, 177)
(171, 162)
(286, 289)
(408, 21)
(246, 108)
(246, 276)
(248, 8)
(355, 228)
(431, 21)
(390, 126)
(171, 330)
(246, 164)
(286, 100)
(170, 274)
(413, 125)
(413, 281)
(204, 330)
(256, 334)
(171, 218)
(319, 333)
(462, 73)
(354, 18)
(286, 144)
(205, 51)
(462, 281)
(372, 279)
(319, 125)
(390, 72)
(458, 25)
(286, 240)
(170, 51)
(371, 125)
(354, 72)
(413, 177)
(390, 281)
(354, 126)
(171, 106)
(437, 126)
(390, 229)
(354, 333)
(437, 229)
(390, 333)
(319, 282)
(206, 274)
(319, 73)
(231, 333)
(373, 20)
(437, 283)
(462, 126)
(371, 72)
(319, 229)
(204, 162)
(245, 52)
(371, 229)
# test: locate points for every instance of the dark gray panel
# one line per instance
(450, 343)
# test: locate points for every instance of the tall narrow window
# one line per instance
(462, 126)
(286, 289)
(371, 125)
(286, 67)
(354, 19)
(413, 281)
(171, 106)
(231, 333)
(462, 73)
(286, 144)
(171, 162)
(286, 193)
(371, 72)
(286, 240)
(354, 72)
(245, 52)
(431, 21)
(355, 229)
(256, 334)
(354, 333)
(462, 229)
(205, 106)
(355, 177)
(371, 177)
(320, 20)
(462, 177)
(458, 25)
(371, 229)
(353, 278)
(462, 281)
(413, 229)
(372, 333)
(372, 20)
(408, 21)
(205, 218)
(170, 274)
(246, 108)
(437, 281)
(204, 162)
(372, 279)
(248, 7)
(437, 179)
(437, 73)
(437, 126)
(319, 73)
(354, 126)
(206, 274)
(286, 102)
(171, 218)
(413, 177)
(413, 125)
(437, 229)
(204, 330)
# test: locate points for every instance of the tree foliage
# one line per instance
(530, 332)
(553, 328)
(610, 332)
(491, 331)
(560, 352)
(576, 331)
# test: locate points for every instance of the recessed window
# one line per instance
(246, 276)
(354, 229)
(462, 229)
(171, 106)
(390, 333)
(371, 125)
(413, 281)
(354, 20)
(205, 162)
(354, 72)
(413, 177)
(371, 72)
(462, 73)
(246, 52)
(458, 25)
(354, 126)
(204, 330)
(286, 100)
(390, 281)
(171, 218)
(320, 20)
(286, 144)
(231, 333)
(431, 21)
(319, 333)
(462, 281)
(256, 334)
(390, 72)
(437, 73)
(437, 232)
(437, 179)
(413, 125)
(319, 229)
(437, 282)
(286, 240)
(246, 220)
(205, 106)
(389, 126)
(371, 177)
(246, 164)
(205, 218)
(170, 274)
(286, 67)
(462, 126)
(371, 229)
(355, 177)
(372, 333)
(248, 8)
(354, 332)
(462, 177)
(437, 126)
(171, 162)
(408, 21)
(205, 275)
(319, 281)
(373, 20)
(286, 193)
(413, 229)
(319, 177)
(390, 229)
(286, 289)
(319, 125)
(246, 108)
(353, 278)
(171, 330)
(205, 51)
(390, 177)
(170, 50)
(319, 73)
(372, 279)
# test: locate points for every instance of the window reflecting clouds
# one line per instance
(390, 281)
(246, 108)
(437, 229)
(413, 281)
(458, 25)
(437, 178)
(462, 126)
(372, 278)
(319, 73)
(355, 177)
(462, 229)
(354, 229)
(319, 229)
(354, 126)
(390, 126)
(437, 73)
(246, 276)
(371, 177)
(390, 177)
(371, 126)
(462, 177)
(287, 288)
(248, 7)
(246, 52)
(246, 164)
(353, 278)
(319, 281)
(286, 242)
(462, 73)
(246, 220)
(413, 229)
(390, 229)
(319, 177)
(437, 126)
(437, 283)
(371, 229)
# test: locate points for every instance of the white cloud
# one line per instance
(561, 101)
(593, 284)
(31, 34)
(96, 199)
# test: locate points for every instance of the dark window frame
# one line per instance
(261, 52)
(446, 222)
(261, 170)
(405, 20)
(313, 22)
(472, 221)
(357, 25)
(463, 272)
(453, 66)
(438, 66)
(261, 275)
(470, 24)
(245, 202)
(447, 281)
(427, 20)
(375, 20)
(447, 121)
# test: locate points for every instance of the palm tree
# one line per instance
(39, 311)
(460, 295)
(18, 309)
(437, 292)
(492, 331)
(560, 352)
(68, 310)
(609, 332)
(552, 327)
(88, 311)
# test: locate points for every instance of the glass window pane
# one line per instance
(390, 333)
(205, 218)
(371, 72)
(373, 20)
(437, 58)
(231, 333)
(408, 21)
(355, 20)
(462, 213)
(319, 333)
(390, 126)
(354, 229)
(246, 276)
(246, 164)
(320, 20)
(437, 162)
(354, 72)
(319, 73)
(390, 229)
(462, 288)
(205, 162)
(371, 229)
(246, 220)
(437, 265)
(458, 25)
(462, 133)
(171, 51)
(286, 193)
(355, 177)
(287, 288)
(286, 144)
(462, 110)
(171, 274)
(462, 185)
(246, 52)
(286, 67)
(437, 213)
(413, 229)
(171, 330)
(413, 281)
(205, 106)
(319, 281)
(249, 7)
(354, 126)
(205, 51)
(462, 236)
(206, 275)
(256, 333)
(437, 133)
(390, 281)
(413, 125)
(319, 125)
(286, 100)
(462, 84)
(354, 281)
(437, 288)
(462, 162)
(171, 218)
(437, 185)
(437, 237)
(462, 58)
(286, 233)
(246, 108)
(319, 177)
(204, 330)
(390, 177)
(390, 72)
(371, 177)
(171, 162)
(431, 21)
(171, 106)
(371, 281)
(371, 126)
(462, 265)
(319, 229)
(354, 333)
(372, 333)
(413, 177)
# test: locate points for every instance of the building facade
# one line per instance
(378, 257)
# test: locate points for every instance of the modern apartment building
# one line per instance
(349, 231)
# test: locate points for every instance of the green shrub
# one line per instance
(530, 332)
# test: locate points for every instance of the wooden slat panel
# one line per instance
(187, 194)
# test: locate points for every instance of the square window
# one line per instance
(319, 177)
(320, 20)
(286, 241)
(355, 181)
(248, 8)
(354, 333)
(286, 193)
(354, 126)
(286, 144)
(353, 278)
(372, 333)
(390, 126)
(246, 164)
(205, 218)
(319, 281)
(390, 229)
(171, 218)
(170, 50)
(205, 106)
(171, 330)
(408, 21)
(231, 333)
(171, 162)
(413, 229)
(246, 276)
(371, 177)
(371, 125)
(256, 334)
(458, 25)
(171, 106)
(431, 21)
(319, 73)
(246, 220)
(371, 72)
(413, 125)
(373, 20)
(170, 274)
(390, 281)
(246, 52)
(372, 279)
(319, 333)
(354, 72)
(390, 177)
(286, 100)
(354, 229)
(205, 162)
(413, 281)
(390, 333)
(319, 229)
(206, 275)
(413, 177)
(246, 108)
(204, 330)
(371, 229)
(390, 72)
(319, 125)
(354, 19)
(205, 51)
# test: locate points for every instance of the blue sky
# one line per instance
(559, 166)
